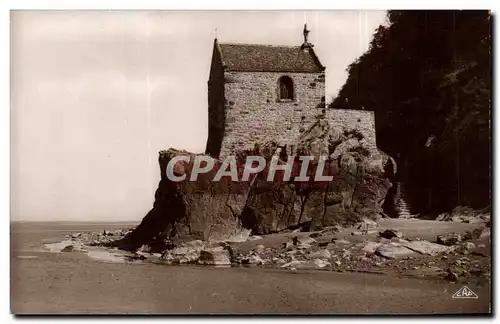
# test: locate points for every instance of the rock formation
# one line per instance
(221, 210)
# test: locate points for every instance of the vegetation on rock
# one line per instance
(427, 76)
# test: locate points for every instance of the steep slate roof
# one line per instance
(268, 58)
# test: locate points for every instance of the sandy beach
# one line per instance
(73, 283)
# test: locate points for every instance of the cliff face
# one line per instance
(218, 210)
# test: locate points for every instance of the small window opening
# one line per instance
(286, 88)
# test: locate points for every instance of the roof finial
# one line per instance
(306, 45)
(306, 33)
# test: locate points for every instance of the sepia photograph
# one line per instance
(251, 162)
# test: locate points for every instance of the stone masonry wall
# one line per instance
(253, 113)
(361, 120)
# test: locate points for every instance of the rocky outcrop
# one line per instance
(466, 215)
(220, 210)
(201, 209)
(350, 196)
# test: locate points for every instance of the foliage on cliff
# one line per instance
(427, 76)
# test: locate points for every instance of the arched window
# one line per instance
(285, 86)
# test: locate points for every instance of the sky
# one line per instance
(96, 94)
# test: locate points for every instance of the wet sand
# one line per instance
(51, 283)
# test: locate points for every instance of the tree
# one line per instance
(427, 76)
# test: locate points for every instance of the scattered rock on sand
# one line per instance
(394, 250)
(320, 264)
(293, 264)
(142, 255)
(449, 239)
(486, 232)
(299, 264)
(366, 224)
(254, 238)
(330, 230)
(135, 256)
(180, 258)
(183, 250)
(469, 245)
(322, 254)
(466, 215)
(234, 255)
(241, 236)
(303, 240)
(362, 258)
(346, 253)
(324, 243)
(195, 244)
(188, 252)
(214, 257)
(69, 248)
(477, 253)
(64, 246)
(390, 233)
(426, 247)
(278, 260)
(254, 259)
(259, 248)
(474, 234)
(145, 248)
(371, 247)
(451, 276)
(303, 246)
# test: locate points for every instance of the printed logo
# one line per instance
(465, 292)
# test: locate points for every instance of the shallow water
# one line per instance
(58, 246)
(27, 257)
(107, 256)
(96, 253)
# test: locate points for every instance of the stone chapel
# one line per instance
(258, 93)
